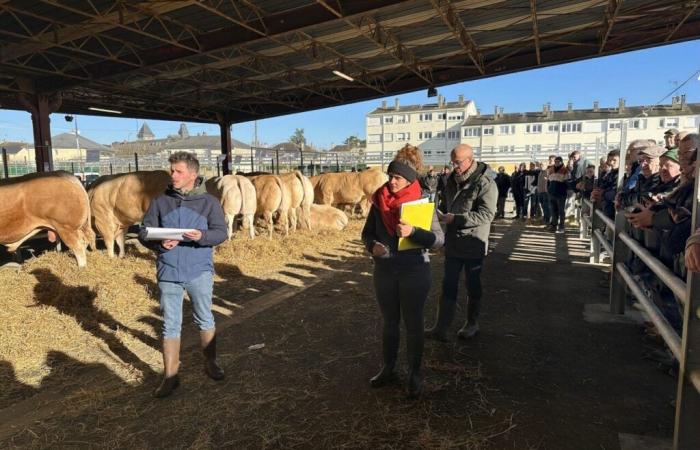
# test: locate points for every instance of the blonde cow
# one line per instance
(348, 188)
(53, 201)
(119, 201)
(324, 217)
(272, 198)
(237, 196)
(301, 197)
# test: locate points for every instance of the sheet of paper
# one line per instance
(158, 234)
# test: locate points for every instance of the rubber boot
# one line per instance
(171, 364)
(445, 316)
(208, 343)
(414, 345)
(469, 330)
(390, 349)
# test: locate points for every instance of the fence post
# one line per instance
(111, 169)
(337, 163)
(686, 436)
(595, 244)
(136, 161)
(129, 167)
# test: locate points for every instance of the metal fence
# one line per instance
(259, 160)
(610, 235)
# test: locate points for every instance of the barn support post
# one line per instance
(5, 168)
(136, 161)
(277, 160)
(225, 132)
(40, 106)
(129, 167)
(301, 157)
(337, 163)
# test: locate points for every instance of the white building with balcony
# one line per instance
(510, 138)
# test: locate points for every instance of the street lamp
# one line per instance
(74, 119)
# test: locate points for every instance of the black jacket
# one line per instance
(503, 184)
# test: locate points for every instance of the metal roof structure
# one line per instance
(227, 61)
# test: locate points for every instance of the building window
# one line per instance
(425, 117)
(425, 135)
(488, 131)
(440, 152)
(506, 148)
(534, 128)
(388, 119)
(535, 148)
(403, 118)
(441, 116)
(455, 116)
(637, 124)
(388, 137)
(453, 134)
(472, 132)
(552, 128)
(401, 137)
(373, 121)
(440, 135)
(568, 148)
(669, 122)
(428, 152)
(507, 129)
(571, 127)
(614, 125)
(374, 138)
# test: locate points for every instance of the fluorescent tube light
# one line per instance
(104, 110)
(342, 75)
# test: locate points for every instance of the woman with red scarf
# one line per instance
(401, 279)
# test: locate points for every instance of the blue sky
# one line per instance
(642, 77)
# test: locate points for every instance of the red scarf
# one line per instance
(389, 205)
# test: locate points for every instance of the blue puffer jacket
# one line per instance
(197, 210)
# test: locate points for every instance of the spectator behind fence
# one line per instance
(531, 191)
(586, 185)
(607, 185)
(542, 195)
(517, 184)
(503, 184)
(442, 179)
(670, 138)
(429, 184)
(558, 177)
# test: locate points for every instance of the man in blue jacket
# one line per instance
(186, 265)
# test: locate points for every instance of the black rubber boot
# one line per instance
(388, 375)
(167, 386)
(414, 354)
(211, 367)
(390, 349)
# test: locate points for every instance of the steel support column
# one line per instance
(225, 127)
(40, 107)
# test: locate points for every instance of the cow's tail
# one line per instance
(278, 180)
(86, 227)
(307, 199)
(224, 192)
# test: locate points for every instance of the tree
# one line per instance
(354, 142)
(298, 137)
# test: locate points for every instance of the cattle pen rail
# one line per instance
(610, 235)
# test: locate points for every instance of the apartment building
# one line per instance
(435, 128)
(511, 138)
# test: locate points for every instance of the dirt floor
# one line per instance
(537, 377)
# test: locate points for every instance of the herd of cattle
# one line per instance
(57, 203)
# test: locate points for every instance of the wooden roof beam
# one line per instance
(535, 30)
(689, 13)
(611, 12)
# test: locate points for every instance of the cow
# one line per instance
(348, 188)
(237, 196)
(121, 200)
(324, 217)
(302, 196)
(272, 197)
(52, 201)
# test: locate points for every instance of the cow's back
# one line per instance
(249, 201)
(338, 188)
(269, 193)
(371, 180)
(127, 196)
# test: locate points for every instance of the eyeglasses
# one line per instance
(459, 163)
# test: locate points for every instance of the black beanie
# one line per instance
(406, 171)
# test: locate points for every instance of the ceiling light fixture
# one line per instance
(104, 110)
(343, 75)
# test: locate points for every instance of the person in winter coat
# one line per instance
(503, 185)
(517, 181)
(185, 265)
(558, 177)
(402, 279)
(470, 206)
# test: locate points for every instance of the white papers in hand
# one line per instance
(159, 234)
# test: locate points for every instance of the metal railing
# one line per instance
(608, 234)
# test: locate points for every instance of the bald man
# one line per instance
(467, 209)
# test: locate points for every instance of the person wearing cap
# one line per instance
(402, 279)
(649, 177)
(469, 207)
(670, 138)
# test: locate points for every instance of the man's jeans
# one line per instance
(543, 198)
(171, 295)
(450, 284)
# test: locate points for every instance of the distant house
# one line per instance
(17, 151)
(204, 146)
(67, 148)
(145, 133)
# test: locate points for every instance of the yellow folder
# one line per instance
(420, 215)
